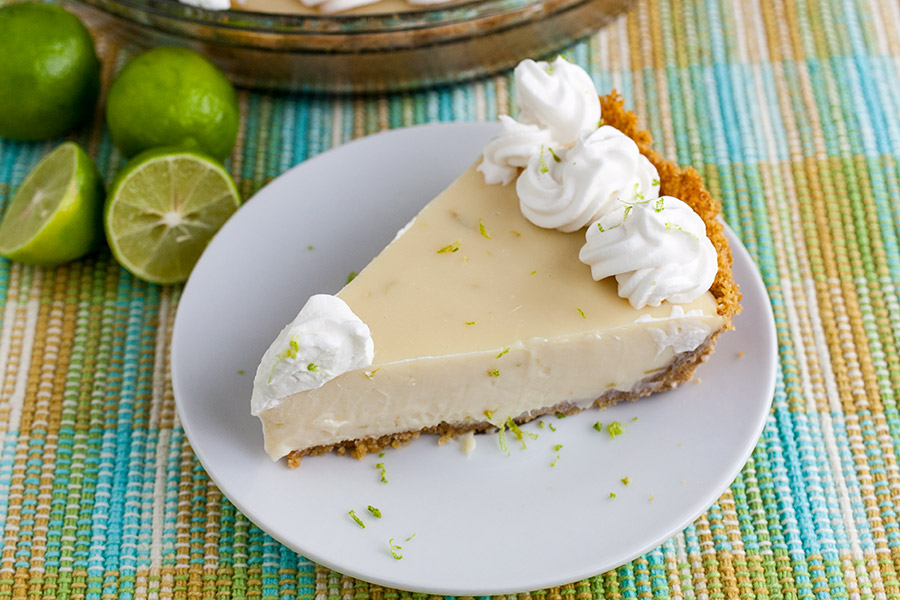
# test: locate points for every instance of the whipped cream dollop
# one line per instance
(569, 189)
(325, 340)
(558, 101)
(657, 251)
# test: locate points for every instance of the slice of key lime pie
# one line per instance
(570, 267)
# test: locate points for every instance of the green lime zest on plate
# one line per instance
(612, 495)
(614, 429)
(502, 352)
(454, 247)
(393, 548)
(56, 214)
(501, 438)
(163, 210)
(383, 470)
(359, 521)
(598, 426)
(519, 433)
(493, 372)
(375, 512)
(625, 481)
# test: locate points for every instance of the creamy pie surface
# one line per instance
(483, 311)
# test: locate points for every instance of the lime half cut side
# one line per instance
(55, 215)
(164, 208)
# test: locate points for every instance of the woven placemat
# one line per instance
(790, 110)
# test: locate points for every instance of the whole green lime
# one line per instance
(49, 72)
(172, 97)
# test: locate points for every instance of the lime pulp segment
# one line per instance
(163, 211)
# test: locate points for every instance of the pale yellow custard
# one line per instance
(477, 315)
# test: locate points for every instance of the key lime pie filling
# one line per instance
(570, 267)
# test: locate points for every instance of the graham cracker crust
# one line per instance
(683, 183)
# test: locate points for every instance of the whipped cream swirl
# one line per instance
(569, 189)
(657, 251)
(558, 101)
(325, 340)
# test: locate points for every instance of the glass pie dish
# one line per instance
(353, 53)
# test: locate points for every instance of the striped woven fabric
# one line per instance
(789, 108)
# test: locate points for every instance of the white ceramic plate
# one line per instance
(489, 524)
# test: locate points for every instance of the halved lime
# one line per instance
(54, 217)
(164, 207)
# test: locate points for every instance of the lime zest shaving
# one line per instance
(393, 548)
(240, 371)
(614, 429)
(351, 276)
(310, 247)
(552, 428)
(375, 512)
(493, 373)
(517, 431)
(651, 498)
(381, 455)
(489, 414)
(533, 272)
(410, 537)
(359, 521)
(612, 495)
(581, 312)
(659, 205)
(454, 247)
(502, 352)
(383, 471)
(370, 374)
(553, 154)
(676, 227)
(290, 352)
(600, 123)
(625, 481)
(515, 233)
(483, 230)
(542, 162)
(540, 424)
(471, 322)
(560, 415)
(598, 426)
(312, 367)
(555, 460)
(654, 182)
(501, 438)
(634, 418)
(292, 349)
(557, 447)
